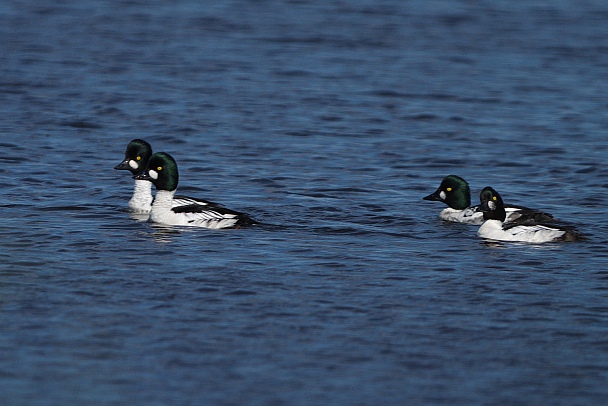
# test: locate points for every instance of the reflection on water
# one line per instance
(139, 217)
(162, 233)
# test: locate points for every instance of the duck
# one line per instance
(455, 192)
(136, 159)
(163, 173)
(522, 229)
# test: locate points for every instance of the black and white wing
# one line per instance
(212, 215)
(179, 201)
(520, 215)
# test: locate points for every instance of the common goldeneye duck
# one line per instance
(455, 192)
(524, 228)
(137, 155)
(136, 159)
(163, 173)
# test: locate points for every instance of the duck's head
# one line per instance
(161, 171)
(136, 156)
(491, 205)
(453, 191)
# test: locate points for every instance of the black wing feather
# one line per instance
(242, 218)
(529, 217)
(194, 201)
(197, 208)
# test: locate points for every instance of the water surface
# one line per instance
(328, 122)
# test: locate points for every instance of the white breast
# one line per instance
(141, 202)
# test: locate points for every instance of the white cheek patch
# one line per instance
(153, 174)
(492, 205)
(442, 195)
(133, 164)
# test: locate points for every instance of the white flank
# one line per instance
(492, 229)
(467, 215)
(161, 213)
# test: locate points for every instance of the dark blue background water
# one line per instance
(329, 121)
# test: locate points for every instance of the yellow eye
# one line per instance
(159, 168)
(494, 198)
(138, 158)
(449, 189)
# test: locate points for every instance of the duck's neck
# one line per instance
(498, 214)
(164, 199)
(142, 195)
(142, 188)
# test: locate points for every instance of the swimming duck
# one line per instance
(454, 191)
(136, 159)
(523, 229)
(162, 171)
(137, 155)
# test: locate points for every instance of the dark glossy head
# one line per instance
(136, 156)
(453, 191)
(161, 171)
(491, 205)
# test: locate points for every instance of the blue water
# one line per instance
(327, 121)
